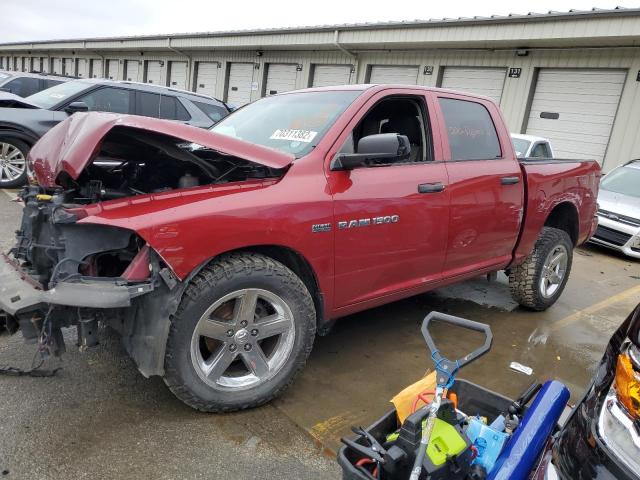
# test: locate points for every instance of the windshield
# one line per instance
(54, 95)
(624, 180)
(293, 123)
(521, 146)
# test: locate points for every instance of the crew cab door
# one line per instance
(391, 218)
(485, 185)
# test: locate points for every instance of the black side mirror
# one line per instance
(382, 146)
(74, 107)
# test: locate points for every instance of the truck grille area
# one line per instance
(52, 247)
(612, 236)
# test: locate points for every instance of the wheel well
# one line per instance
(19, 134)
(564, 216)
(299, 265)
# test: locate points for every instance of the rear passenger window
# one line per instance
(541, 150)
(172, 109)
(214, 112)
(471, 132)
(148, 104)
(51, 83)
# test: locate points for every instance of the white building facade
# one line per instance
(572, 77)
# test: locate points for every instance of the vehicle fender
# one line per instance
(15, 131)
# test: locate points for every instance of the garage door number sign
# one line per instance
(515, 72)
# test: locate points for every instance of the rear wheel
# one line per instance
(13, 162)
(539, 281)
(243, 331)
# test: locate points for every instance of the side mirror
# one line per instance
(382, 146)
(74, 107)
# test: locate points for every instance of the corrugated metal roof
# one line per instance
(551, 15)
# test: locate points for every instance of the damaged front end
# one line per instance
(62, 273)
(71, 266)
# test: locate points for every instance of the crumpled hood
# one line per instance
(73, 144)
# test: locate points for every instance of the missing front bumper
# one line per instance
(18, 295)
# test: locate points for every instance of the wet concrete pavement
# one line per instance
(99, 418)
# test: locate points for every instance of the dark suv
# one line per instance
(24, 120)
(24, 84)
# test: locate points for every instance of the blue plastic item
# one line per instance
(488, 442)
(519, 456)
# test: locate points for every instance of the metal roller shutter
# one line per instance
(67, 67)
(131, 70)
(57, 66)
(96, 68)
(240, 84)
(154, 72)
(327, 75)
(393, 74)
(488, 82)
(280, 78)
(178, 75)
(575, 109)
(207, 78)
(83, 68)
(113, 70)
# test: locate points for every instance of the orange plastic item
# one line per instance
(403, 401)
(454, 399)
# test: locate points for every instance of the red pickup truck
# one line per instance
(218, 255)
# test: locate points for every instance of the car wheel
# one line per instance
(13, 162)
(243, 331)
(539, 281)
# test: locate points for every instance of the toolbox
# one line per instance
(472, 399)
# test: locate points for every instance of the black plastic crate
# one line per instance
(472, 400)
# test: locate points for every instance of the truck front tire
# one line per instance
(243, 331)
(538, 282)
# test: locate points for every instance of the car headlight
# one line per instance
(636, 242)
(621, 411)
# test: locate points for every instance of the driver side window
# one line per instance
(115, 100)
(401, 115)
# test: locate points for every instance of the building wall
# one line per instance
(624, 142)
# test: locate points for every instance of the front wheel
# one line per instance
(13, 162)
(539, 281)
(243, 331)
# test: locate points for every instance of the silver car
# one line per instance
(619, 210)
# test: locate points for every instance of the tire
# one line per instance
(207, 332)
(13, 155)
(526, 280)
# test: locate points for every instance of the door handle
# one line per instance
(430, 187)
(509, 180)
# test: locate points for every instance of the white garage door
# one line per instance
(154, 72)
(178, 75)
(44, 63)
(393, 74)
(131, 70)
(488, 82)
(96, 68)
(83, 68)
(207, 78)
(327, 75)
(280, 78)
(67, 67)
(240, 83)
(113, 70)
(575, 109)
(57, 66)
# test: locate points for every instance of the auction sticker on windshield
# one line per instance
(289, 134)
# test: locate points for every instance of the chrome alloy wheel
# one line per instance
(12, 162)
(243, 339)
(553, 271)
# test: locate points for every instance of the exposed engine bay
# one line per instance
(137, 162)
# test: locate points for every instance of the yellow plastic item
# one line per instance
(445, 442)
(628, 385)
(403, 401)
(41, 197)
